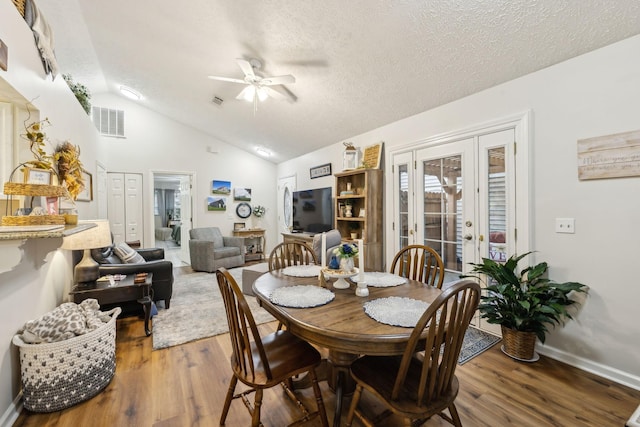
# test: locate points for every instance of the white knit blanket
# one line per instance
(65, 321)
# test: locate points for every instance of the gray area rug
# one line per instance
(197, 310)
(475, 342)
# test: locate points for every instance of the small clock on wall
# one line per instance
(243, 210)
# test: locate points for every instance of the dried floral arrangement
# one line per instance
(65, 161)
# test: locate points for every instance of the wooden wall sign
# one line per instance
(610, 156)
(372, 155)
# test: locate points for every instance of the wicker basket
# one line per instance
(519, 344)
(58, 375)
(20, 6)
(13, 188)
(33, 220)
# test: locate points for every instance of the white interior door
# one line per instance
(403, 200)
(134, 208)
(286, 187)
(185, 216)
(116, 206)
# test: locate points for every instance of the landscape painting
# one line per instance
(242, 194)
(216, 203)
(221, 187)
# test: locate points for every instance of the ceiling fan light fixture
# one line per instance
(130, 93)
(248, 93)
(262, 94)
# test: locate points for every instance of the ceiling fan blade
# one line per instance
(227, 79)
(275, 94)
(246, 67)
(278, 80)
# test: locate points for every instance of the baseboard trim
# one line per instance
(12, 413)
(615, 375)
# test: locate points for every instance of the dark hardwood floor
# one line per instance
(185, 386)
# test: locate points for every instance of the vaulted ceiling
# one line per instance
(358, 64)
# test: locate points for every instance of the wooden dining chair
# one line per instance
(421, 263)
(264, 362)
(291, 253)
(418, 388)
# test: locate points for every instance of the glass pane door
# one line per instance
(446, 204)
(403, 200)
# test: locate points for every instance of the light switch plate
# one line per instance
(565, 225)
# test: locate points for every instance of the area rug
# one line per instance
(475, 342)
(197, 310)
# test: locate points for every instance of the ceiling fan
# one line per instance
(258, 87)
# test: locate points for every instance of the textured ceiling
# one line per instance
(359, 64)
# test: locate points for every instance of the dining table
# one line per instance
(341, 325)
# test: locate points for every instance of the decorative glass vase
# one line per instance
(346, 264)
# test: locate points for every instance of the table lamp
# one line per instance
(93, 238)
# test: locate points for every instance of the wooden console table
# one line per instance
(255, 234)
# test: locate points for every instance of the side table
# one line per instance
(121, 291)
(257, 234)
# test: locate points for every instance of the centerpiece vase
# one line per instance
(346, 264)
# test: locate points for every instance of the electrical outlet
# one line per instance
(565, 225)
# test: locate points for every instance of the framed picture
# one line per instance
(242, 194)
(37, 176)
(238, 226)
(86, 195)
(52, 206)
(322, 170)
(221, 187)
(216, 203)
(4, 55)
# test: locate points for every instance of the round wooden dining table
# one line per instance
(342, 326)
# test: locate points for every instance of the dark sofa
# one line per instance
(162, 283)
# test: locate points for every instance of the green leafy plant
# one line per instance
(80, 91)
(524, 301)
(346, 250)
(259, 211)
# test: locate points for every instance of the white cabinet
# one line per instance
(124, 194)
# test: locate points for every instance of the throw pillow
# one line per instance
(127, 254)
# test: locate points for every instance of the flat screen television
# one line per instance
(312, 210)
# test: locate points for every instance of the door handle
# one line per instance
(468, 237)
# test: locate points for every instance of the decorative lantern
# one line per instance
(349, 157)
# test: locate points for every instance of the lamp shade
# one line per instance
(92, 238)
(87, 270)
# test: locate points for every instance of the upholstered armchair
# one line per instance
(210, 250)
(334, 239)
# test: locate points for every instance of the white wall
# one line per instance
(594, 94)
(34, 276)
(156, 143)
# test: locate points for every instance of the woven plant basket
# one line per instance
(13, 188)
(519, 344)
(33, 220)
(58, 375)
(20, 6)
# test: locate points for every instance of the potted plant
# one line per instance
(523, 303)
(80, 91)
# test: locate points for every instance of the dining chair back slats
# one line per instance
(291, 253)
(263, 362)
(422, 384)
(421, 263)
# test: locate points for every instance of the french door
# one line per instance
(458, 196)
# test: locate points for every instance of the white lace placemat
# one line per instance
(301, 296)
(381, 280)
(302, 270)
(396, 311)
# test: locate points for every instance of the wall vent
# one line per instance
(109, 122)
(217, 100)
